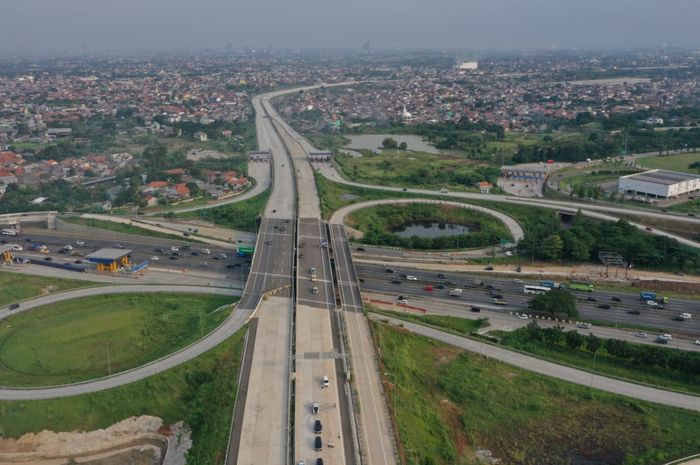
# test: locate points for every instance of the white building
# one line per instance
(659, 184)
(470, 65)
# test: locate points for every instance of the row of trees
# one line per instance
(545, 239)
(679, 364)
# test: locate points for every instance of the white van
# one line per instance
(685, 316)
(652, 303)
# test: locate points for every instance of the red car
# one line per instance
(428, 288)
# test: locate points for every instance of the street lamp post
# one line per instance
(396, 386)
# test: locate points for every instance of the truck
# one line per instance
(581, 286)
(245, 251)
(456, 292)
(647, 296)
(549, 284)
(8, 232)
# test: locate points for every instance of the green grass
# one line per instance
(201, 392)
(242, 215)
(453, 324)
(677, 162)
(379, 222)
(448, 403)
(16, 286)
(691, 206)
(68, 341)
(400, 168)
(123, 228)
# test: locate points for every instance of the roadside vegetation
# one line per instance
(123, 228)
(453, 324)
(555, 303)
(244, 215)
(17, 286)
(381, 222)
(202, 392)
(691, 206)
(86, 338)
(451, 406)
(687, 162)
(402, 168)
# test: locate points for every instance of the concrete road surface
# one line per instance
(232, 324)
(572, 375)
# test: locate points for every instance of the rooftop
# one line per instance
(664, 177)
(107, 255)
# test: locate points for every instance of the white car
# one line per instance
(697, 342)
(17, 248)
(641, 334)
(325, 382)
(665, 337)
(523, 316)
(584, 325)
(174, 249)
(411, 278)
(206, 251)
(155, 258)
(67, 247)
(403, 301)
(518, 281)
(79, 243)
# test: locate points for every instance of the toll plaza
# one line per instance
(109, 259)
(6, 253)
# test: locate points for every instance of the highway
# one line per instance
(375, 278)
(571, 375)
(232, 324)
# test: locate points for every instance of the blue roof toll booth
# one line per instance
(109, 259)
(6, 253)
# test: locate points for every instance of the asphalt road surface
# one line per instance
(376, 278)
(232, 324)
(572, 375)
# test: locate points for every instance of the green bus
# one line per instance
(581, 286)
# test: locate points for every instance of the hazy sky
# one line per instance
(455, 24)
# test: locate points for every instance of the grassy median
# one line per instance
(87, 338)
(18, 286)
(452, 407)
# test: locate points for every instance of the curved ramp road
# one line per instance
(572, 375)
(515, 230)
(232, 324)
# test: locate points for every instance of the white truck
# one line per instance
(456, 292)
(8, 232)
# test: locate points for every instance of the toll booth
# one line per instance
(6, 253)
(109, 259)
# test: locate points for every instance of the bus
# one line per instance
(536, 289)
(581, 286)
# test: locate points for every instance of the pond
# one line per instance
(374, 141)
(430, 229)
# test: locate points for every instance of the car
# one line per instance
(390, 270)
(206, 251)
(28, 239)
(634, 312)
(428, 288)
(402, 301)
(665, 210)
(78, 262)
(490, 287)
(216, 257)
(665, 336)
(119, 246)
(318, 443)
(616, 299)
(641, 334)
(204, 264)
(175, 254)
(174, 249)
(605, 306)
(523, 316)
(274, 210)
(496, 296)
(232, 265)
(360, 249)
(315, 408)
(13, 307)
(697, 342)
(441, 276)
(584, 325)
(314, 290)
(222, 256)
(518, 281)
(411, 278)
(63, 251)
(661, 340)
(475, 309)
(172, 257)
(155, 258)
(362, 280)
(395, 281)
(158, 250)
(442, 287)
(319, 461)
(691, 214)
(325, 382)
(186, 234)
(80, 243)
(48, 259)
(591, 299)
(268, 242)
(194, 254)
(648, 228)
(489, 268)
(318, 427)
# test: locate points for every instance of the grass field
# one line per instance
(449, 404)
(691, 206)
(123, 228)
(201, 392)
(244, 215)
(453, 324)
(16, 286)
(678, 162)
(400, 168)
(69, 341)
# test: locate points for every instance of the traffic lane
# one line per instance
(315, 291)
(348, 284)
(468, 281)
(518, 303)
(506, 321)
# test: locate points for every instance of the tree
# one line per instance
(552, 247)
(695, 166)
(555, 302)
(389, 143)
(403, 146)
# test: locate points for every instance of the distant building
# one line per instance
(320, 156)
(201, 136)
(485, 187)
(469, 65)
(659, 184)
(525, 171)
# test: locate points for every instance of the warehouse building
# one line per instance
(109, 259)
(659, 184)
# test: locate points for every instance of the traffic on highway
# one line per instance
(498, 293)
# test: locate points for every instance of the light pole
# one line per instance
(595, 355)
(109, 363)
(396, 387)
